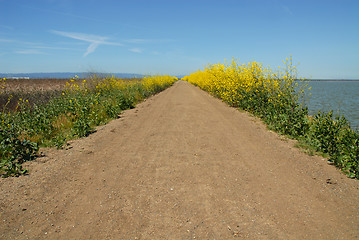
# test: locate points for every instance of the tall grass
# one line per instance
(278, 98)
(35, 91)
(80, 106)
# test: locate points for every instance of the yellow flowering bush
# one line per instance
(156, 83)
(2, 84)
(270, 95)
(278, 98)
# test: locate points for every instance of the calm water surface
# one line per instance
(340, 96)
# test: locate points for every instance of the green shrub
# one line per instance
(73, 113)
(278, 99)
(14, 152)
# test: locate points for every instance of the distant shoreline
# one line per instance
(333, 80)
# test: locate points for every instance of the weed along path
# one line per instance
(181, 165)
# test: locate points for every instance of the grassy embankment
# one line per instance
(50, 116)
(277, 97)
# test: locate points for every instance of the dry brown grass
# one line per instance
(37, 91)
(30, 85)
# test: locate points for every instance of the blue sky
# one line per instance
(178, 36)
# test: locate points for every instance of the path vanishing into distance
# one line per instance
(181, 165)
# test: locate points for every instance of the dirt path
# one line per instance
(182, 165)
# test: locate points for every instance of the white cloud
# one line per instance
(91, 48)
(54, 48)
(94, 40)
(29, 51)
(136, 50)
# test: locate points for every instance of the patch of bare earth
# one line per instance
(182, 165)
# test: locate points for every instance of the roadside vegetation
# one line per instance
(278, 98)
(35, 118)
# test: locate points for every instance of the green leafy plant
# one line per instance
(278, 98)
(14, 152)
(72, 113)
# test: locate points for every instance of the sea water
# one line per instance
(340, 96)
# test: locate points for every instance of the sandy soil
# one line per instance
(182, 165)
